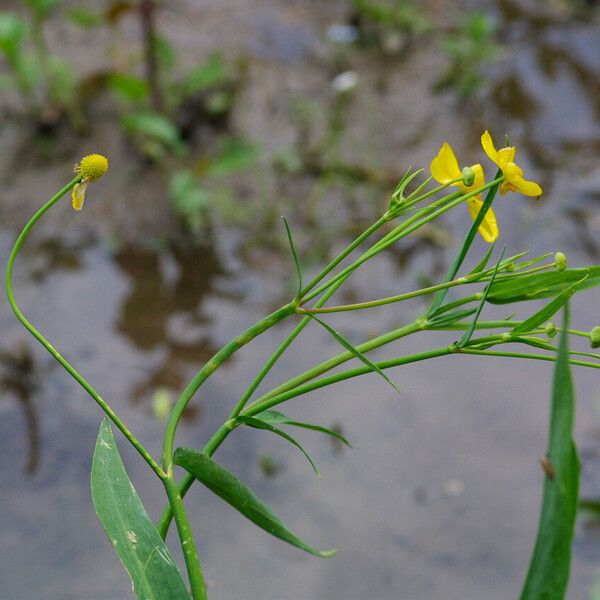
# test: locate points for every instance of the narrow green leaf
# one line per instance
(469, 332)
(545, 313)
(260, 424)
(448, 318)
(460, 257)
(348, 346)
(134, 537)
(295, 255)
(484, 261)
(592, 506)
(519, 288)
(273, 416)
(228, 487)
(548, 573)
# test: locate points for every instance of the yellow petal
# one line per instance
(78, 195)
(488, 229)
(488, 146)
(444, 167)
(506, 155)
(516, 182)
(527, 188)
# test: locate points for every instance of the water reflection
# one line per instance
(164, 310)
(19, 377)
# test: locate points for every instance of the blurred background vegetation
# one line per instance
(219, 116)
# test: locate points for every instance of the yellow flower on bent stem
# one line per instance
(444, 169)
(90, 168)
(513, 174)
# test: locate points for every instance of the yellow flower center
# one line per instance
(92, 167)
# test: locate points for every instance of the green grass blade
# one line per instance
(484, 261)
(134, 537)
(546, 312)
(273, 416)
(258, 423)
(295, 255)
(348, 346)
(548, 573)
(228, 487)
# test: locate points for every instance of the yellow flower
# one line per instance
(444, 168)
(90, 168)
(504, 158)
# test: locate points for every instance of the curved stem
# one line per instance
(210, 367)
(50, 348)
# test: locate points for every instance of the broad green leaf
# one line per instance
(209, 75)
(129, 87)
(228, 487)
(548, 573)
(519, 288)
(348, 346)
(469, 332)
(12, 30)
(295, 255)
(134, 537)
(259, 424)
(273, 416)
(545, 313)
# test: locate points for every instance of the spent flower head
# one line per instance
(90, 169)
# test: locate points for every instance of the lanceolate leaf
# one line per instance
(295, 255)
(348, 346)
(542, 315)
(275, 417)
(507, 289)
(134, 537)
(259, 424)
(484, 261)
(549, 568)
(228, 487)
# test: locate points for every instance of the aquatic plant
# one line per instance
(495, 279)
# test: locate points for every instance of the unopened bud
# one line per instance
(595, 337)
(468, 176)
(550, 329)
(560, 261)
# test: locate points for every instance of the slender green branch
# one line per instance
(50, 348)
(210, 367)
(219, 436)
(186, 537)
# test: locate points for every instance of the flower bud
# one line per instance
(468, 176)
(550, 329)
(595, 337)
(560, 261)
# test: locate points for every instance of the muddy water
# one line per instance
(439, 496)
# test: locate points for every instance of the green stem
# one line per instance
(404, 229)
(188, 545)
(210, 367)
(50, 348)
(219, 436)
(340, 257)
